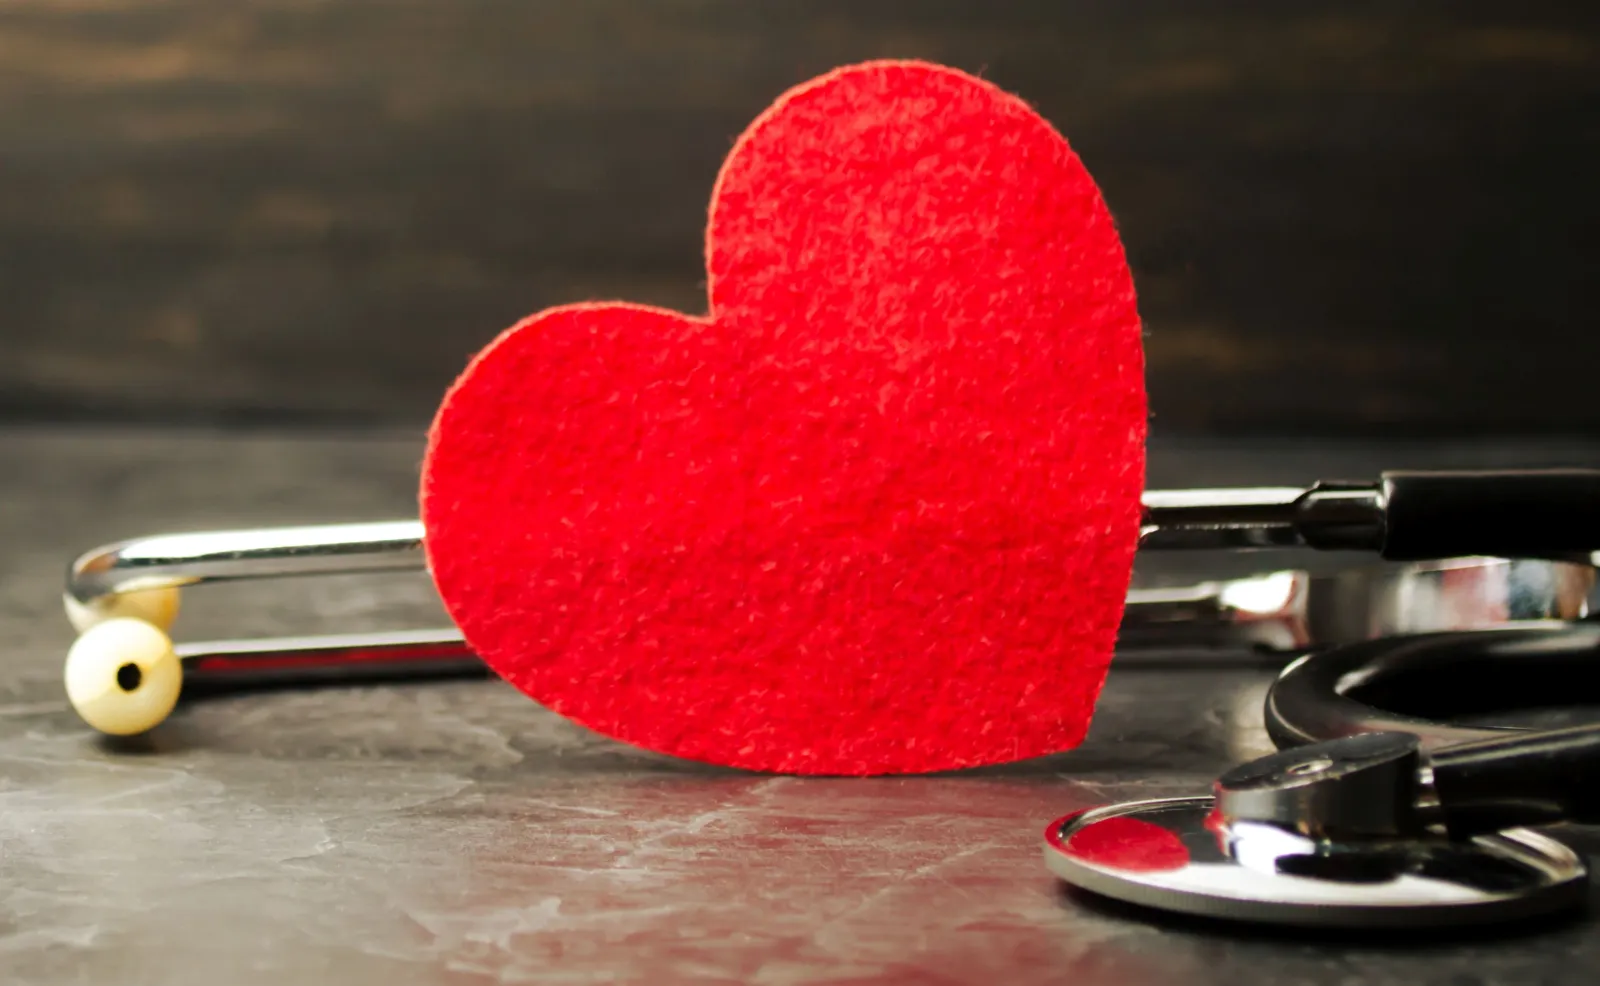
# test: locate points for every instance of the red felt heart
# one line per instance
(876, 512)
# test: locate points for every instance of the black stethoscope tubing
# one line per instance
(1445, 688)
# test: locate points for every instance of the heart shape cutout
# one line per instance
(877, 511)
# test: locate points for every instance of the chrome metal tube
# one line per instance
(174, 560)
(342, 658)
(1328, 515)
(1178, 519)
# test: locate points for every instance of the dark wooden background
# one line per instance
(1343, 216)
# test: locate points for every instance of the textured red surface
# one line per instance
(876, 512)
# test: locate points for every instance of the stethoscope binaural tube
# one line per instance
(124, 675)
(1405, 516)
(1279, 612)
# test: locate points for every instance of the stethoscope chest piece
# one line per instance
(1345, 834)
(1171, 855)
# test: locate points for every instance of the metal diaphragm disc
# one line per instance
(1177, 855)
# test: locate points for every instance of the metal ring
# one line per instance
(1445, 688)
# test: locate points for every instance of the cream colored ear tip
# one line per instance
(123, 677)
(157, 606)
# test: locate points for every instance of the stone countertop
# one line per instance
(456, 833)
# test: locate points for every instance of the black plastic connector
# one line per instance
(1551, 514)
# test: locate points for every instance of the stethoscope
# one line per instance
(1401, 788)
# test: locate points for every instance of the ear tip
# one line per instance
(122, 676)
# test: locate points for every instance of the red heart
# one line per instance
(875, 513)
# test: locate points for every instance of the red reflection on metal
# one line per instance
(1128, 844)
(223, 663)
(1218, 826)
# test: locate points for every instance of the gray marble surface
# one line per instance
(455, 833)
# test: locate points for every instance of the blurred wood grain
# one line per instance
(1349, 217)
